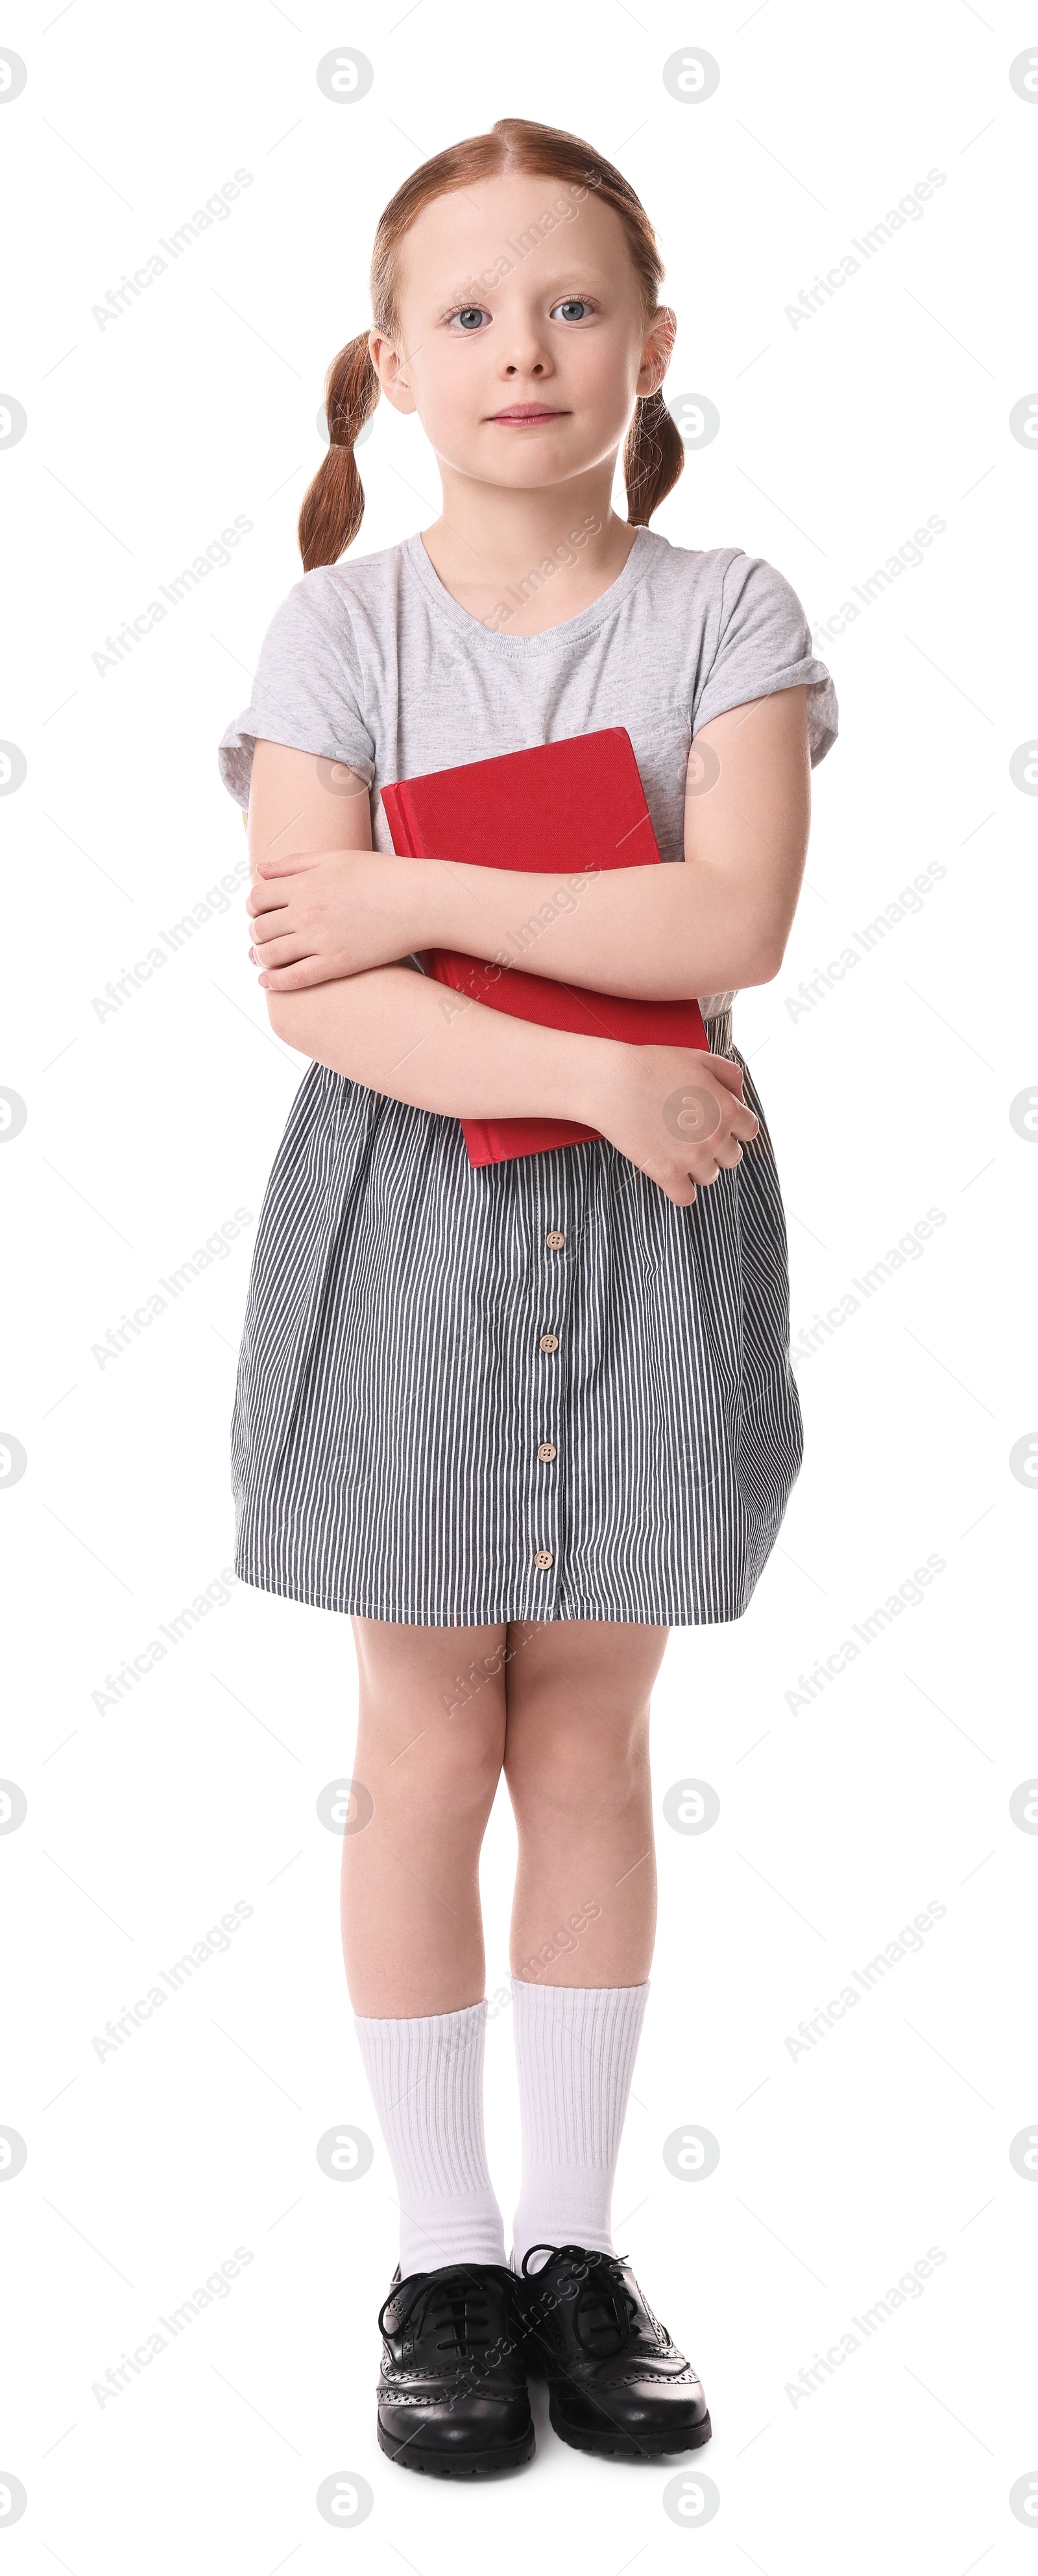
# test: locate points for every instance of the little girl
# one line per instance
(519, 1420)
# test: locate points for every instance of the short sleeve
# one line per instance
(764, 644)
(307, 691)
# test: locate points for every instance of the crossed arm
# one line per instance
(330, 916)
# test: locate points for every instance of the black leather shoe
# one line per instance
(452, 2398)
(617, 2384)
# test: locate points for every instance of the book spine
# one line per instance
(398, 810)
(480, 1142)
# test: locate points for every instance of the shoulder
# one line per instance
(720, 577)
(355, 582)
(752, 637)
(334, 597)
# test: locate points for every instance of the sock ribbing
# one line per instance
(575, 2050)
(426, 2076)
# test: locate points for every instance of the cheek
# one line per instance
(451, 390)
(602, 381)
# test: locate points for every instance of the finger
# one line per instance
(711, 1159)
(295, 979)
(265, 899)
(678, 1187)
(290, 866)
(284, 951)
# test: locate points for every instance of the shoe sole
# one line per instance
(437, 2464)
(609, 2445)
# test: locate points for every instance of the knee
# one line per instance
(466, 1764)
(450, 1775)
(584, 1770)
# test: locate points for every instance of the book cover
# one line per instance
(562, 810)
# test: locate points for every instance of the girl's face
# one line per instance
(524, 339)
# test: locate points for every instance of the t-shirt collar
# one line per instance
(571, 630)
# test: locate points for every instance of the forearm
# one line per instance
(406, 1036)
(654, 933)
(721, 919)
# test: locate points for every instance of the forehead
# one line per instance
(541, 225)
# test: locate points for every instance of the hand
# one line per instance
(317, 918)
(677, 1113)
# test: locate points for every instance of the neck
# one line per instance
(491, 542)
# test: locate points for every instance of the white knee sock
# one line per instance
(427, 2079)
(575, 2047)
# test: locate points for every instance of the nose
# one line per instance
(531, 354)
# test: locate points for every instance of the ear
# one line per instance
(391, 370)
(659, 344)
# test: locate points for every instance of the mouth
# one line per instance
(526, 415)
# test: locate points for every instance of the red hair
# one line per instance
(653, 451)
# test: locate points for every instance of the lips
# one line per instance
(523, 412)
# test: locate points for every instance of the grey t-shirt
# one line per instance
(371, 663)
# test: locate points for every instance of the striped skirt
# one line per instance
(535, 1391)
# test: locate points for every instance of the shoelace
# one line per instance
(604, 2291)
(462, 2306)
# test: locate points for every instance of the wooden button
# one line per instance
(547, 1449)
(544, 1558)
(549, 1341)
(555, 1240)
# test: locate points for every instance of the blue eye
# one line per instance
(469, 316)
(573, 307)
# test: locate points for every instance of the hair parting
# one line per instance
(653, 455)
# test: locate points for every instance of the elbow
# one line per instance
(763, 964)
(743, 966)
(738, 955)
(769, 944)
(763, 950)
(277, 1014)
(286, 1013)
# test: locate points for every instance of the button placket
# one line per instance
(553, 1289)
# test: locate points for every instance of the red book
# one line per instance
(569, 808)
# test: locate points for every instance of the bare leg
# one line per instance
(429, 1750)
(577, 1765)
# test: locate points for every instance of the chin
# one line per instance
(517, 457)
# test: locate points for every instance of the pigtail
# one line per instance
(654, 456)
(333, 507)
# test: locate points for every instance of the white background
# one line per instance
(840, 1819)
